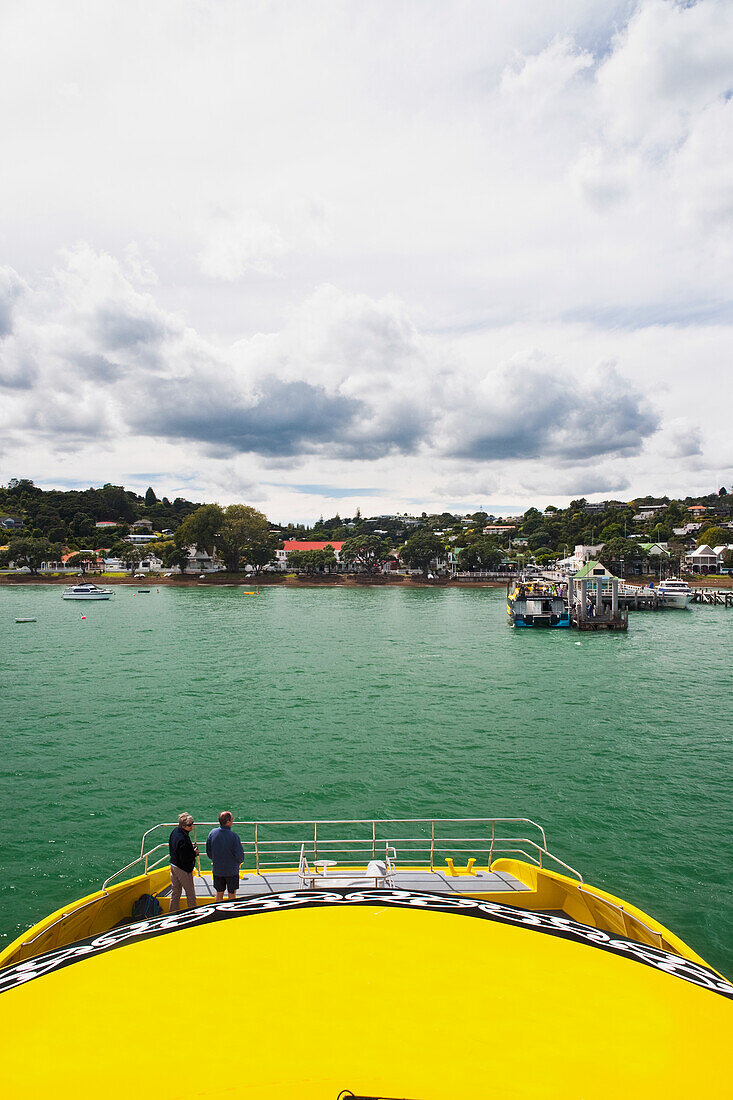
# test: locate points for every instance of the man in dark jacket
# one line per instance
(183, 858)
(224, 849)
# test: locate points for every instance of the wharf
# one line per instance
(604, 620)
(644, 600)
(713, 596)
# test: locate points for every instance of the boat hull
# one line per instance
(614, 1018)
(540, 621)
(678, 601)
(86, 596)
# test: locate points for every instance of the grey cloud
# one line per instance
(547, 416)
(11, 288)
(400, 427)
(603, 424)
(286, 419)
(67, 421)
(97, 367)
(684, 440)
(119, 330)
(18, 371)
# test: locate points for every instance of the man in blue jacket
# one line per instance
(224, 849)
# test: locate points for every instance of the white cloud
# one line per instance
(313, 244)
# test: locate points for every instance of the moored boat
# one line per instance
(86, 591)
(356, 951)
(675, 593)
(537, 603)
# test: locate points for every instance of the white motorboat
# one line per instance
(675, 593)
(86, 592)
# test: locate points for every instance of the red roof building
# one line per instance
(290, 545)
(297, 544)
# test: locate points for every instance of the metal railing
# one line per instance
(272, 846)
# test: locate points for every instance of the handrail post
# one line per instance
(432, 846)
(315, 841)
(374, 840)
(493, 834)
(257, 852)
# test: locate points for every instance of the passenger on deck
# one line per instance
(224, 849)
(183, 858)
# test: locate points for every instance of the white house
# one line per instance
(149, 564)
(702, 560)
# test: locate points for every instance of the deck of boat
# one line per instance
(434, 882)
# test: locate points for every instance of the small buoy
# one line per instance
(577, 643)
(83, 616)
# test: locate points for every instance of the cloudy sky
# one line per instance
(406, 255)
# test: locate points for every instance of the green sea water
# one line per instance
(386, 702)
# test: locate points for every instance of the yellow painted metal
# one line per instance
(589, 905)
(318, 1000)
(101, 911)
(88, 916)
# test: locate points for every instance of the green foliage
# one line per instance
(261, 554)
(29, 553)
(170, 553)
(312, 561)
(483, 553)
(543, 557)
(82, 560)
(243, 532)
(132, 556)
(421, 549)
(367, 551)
(202, 528)
(619, 550)
(150, 497)
(714, 536)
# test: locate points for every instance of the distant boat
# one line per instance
(86, 592)
(25, 620)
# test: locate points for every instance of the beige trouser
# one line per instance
(182, 880)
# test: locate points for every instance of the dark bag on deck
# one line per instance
(146, 906)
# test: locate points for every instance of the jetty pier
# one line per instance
(713, 596)
(594, 603)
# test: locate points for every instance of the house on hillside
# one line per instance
(647, 512)
(581, 554)
(702, 560)
(687, 530)
(138, 538)
(655, 549)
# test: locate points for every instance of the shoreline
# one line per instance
(273, 580)
(241, 580)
